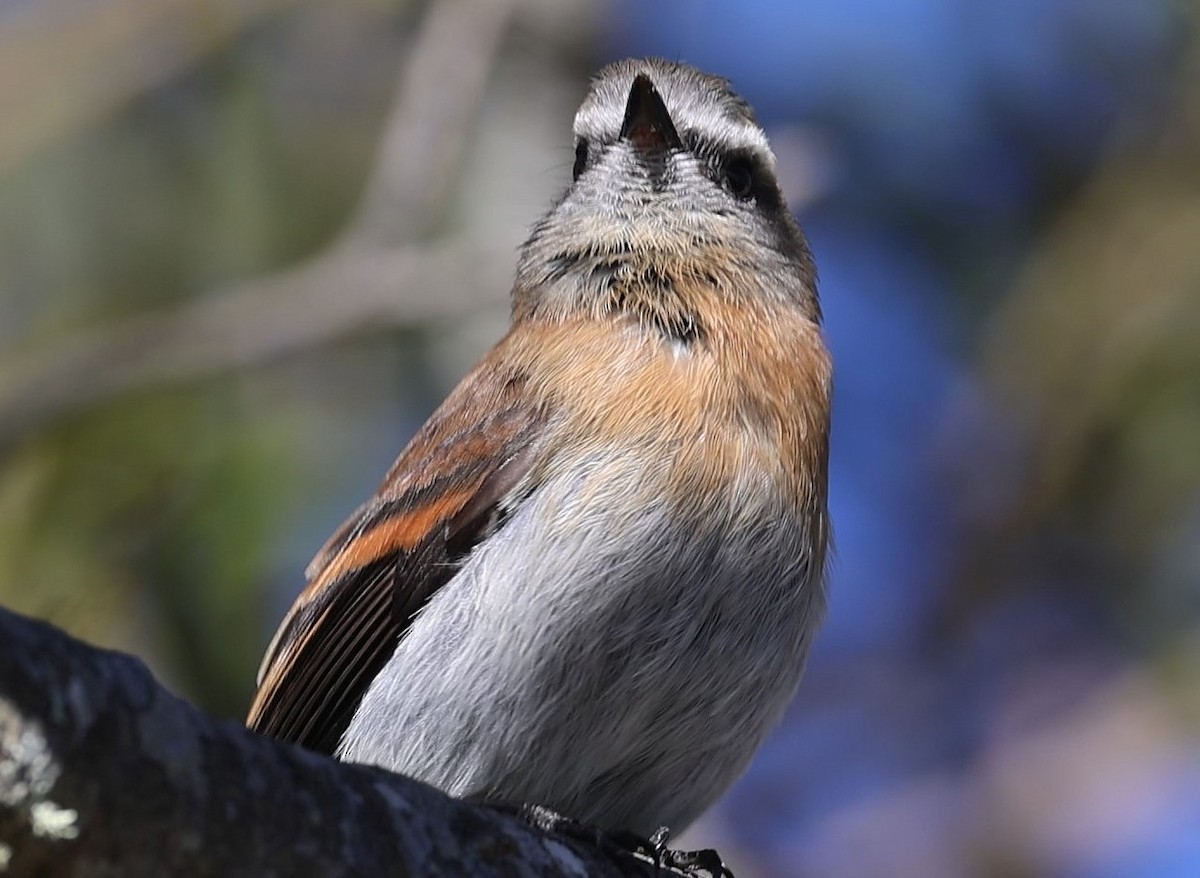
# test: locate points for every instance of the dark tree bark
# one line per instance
(105, 773)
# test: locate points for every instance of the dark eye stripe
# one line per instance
(581, 157)
(740, 174)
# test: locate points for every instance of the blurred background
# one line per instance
(246, 247)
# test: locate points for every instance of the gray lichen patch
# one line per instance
(28, 768)
(28, 771)
(50, 820)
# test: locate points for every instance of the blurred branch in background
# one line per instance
(349, 289)
(354, 286)
(50, 53)
(429, 128)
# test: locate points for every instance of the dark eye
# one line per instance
(739, 177)
(581, 157)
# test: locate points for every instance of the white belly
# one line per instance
(616, 661)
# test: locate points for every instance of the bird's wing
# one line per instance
(450, 489)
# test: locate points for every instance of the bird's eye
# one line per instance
(581, 157)
(739, 177)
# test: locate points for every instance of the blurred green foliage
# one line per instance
(147, 523)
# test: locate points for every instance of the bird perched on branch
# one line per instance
(591, 579)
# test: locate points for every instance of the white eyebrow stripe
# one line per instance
(728, 133)
(739, 134)
(757, 136)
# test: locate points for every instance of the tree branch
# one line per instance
(103, 772)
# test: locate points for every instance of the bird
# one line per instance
(592, 578)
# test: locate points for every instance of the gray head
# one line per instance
(671, 167)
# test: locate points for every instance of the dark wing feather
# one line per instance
(446, 492)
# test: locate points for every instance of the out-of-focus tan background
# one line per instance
(246, 247)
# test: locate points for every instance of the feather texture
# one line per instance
(443, 495)
(592, 579)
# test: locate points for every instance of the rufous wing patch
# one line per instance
(439, 499)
